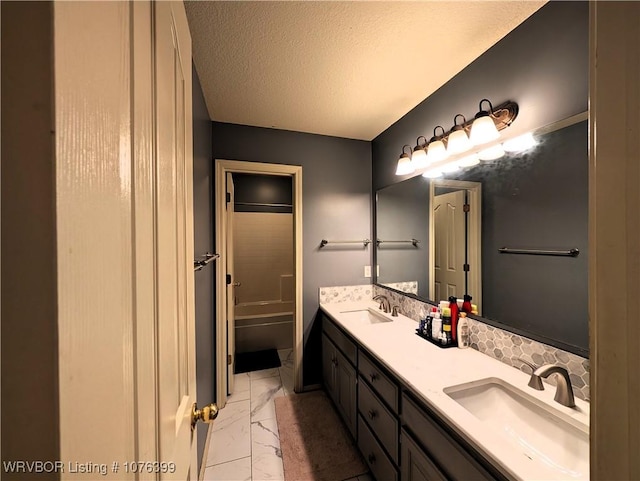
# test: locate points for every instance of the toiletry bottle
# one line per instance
(436, 326)
(453, 306)
(466, 304)
(446, 325)
(474, 309)
(429, 326)
(464, 335)
(422, 322)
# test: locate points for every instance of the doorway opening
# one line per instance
(259, 276)
(455, 240)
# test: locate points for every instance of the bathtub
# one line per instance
(263, 325)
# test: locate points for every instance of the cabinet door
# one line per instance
(346, 391)
(328, 366)
(416, 465)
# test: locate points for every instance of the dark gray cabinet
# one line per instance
(399, 437)
(451, 456)
(416, 465)
(339, 375)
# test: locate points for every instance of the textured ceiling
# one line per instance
(348, 69)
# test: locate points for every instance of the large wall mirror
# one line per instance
(512, 233)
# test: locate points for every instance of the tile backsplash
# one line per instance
(346, 293)
(502, 345)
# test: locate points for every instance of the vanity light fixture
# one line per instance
(458, 141)
(483, 128)
(404, 162)
(419, 157)
(491, 153)
(450, 167)
(518, 144)
(436, 150)
(433, 173)
(469, 160)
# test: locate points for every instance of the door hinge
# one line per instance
(465, 267)
(228, 197)
(466, 208)
(228, 279)
(229, 359)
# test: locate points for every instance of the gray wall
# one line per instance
(542, 65)
(30, 418)
(336, 205)
(538, 200)
(403, 213)
(203, 242)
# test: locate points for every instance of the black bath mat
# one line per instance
(254, 361)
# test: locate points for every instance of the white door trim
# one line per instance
(221, 169)
(474, 190)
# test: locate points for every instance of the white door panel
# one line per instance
(450, 244)
(174, 239)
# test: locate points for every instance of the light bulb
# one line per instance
(436, 151)
(518, 144)
(469, 160)
(491, 153)
(432, 174)
(483, 130)
(419, 159)
(404, 165)
(458, 142)
(450, 167)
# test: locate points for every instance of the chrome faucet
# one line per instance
(385, 306)
(564, 390)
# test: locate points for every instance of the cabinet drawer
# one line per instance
(381, 421)
(380, 465)
(416, 465)
(340, 339)
(449, 456)
(378, 380)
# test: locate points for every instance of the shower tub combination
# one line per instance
(264, 325)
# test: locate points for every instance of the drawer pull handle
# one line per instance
(372, 458)
(373, 376)
(372, 414)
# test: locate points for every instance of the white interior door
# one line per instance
(174, 240)
(449, 236)
(231, 316)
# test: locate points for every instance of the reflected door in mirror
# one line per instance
(450, 245)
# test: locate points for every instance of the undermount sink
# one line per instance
(369, 316)
(545, 434)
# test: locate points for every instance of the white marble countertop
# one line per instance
(428, 369)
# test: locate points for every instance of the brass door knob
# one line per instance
(207, 414)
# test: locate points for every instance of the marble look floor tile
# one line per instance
(231, 435)
(238, 470)
(265, 438)
(266, 460)
(241, 388)
(286, 376)
(263, 393)
(263, 373)
(285, 355)
(239, 396)
(242, 382)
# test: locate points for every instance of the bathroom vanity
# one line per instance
(419, 412)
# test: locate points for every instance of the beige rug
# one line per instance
(315, 444)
